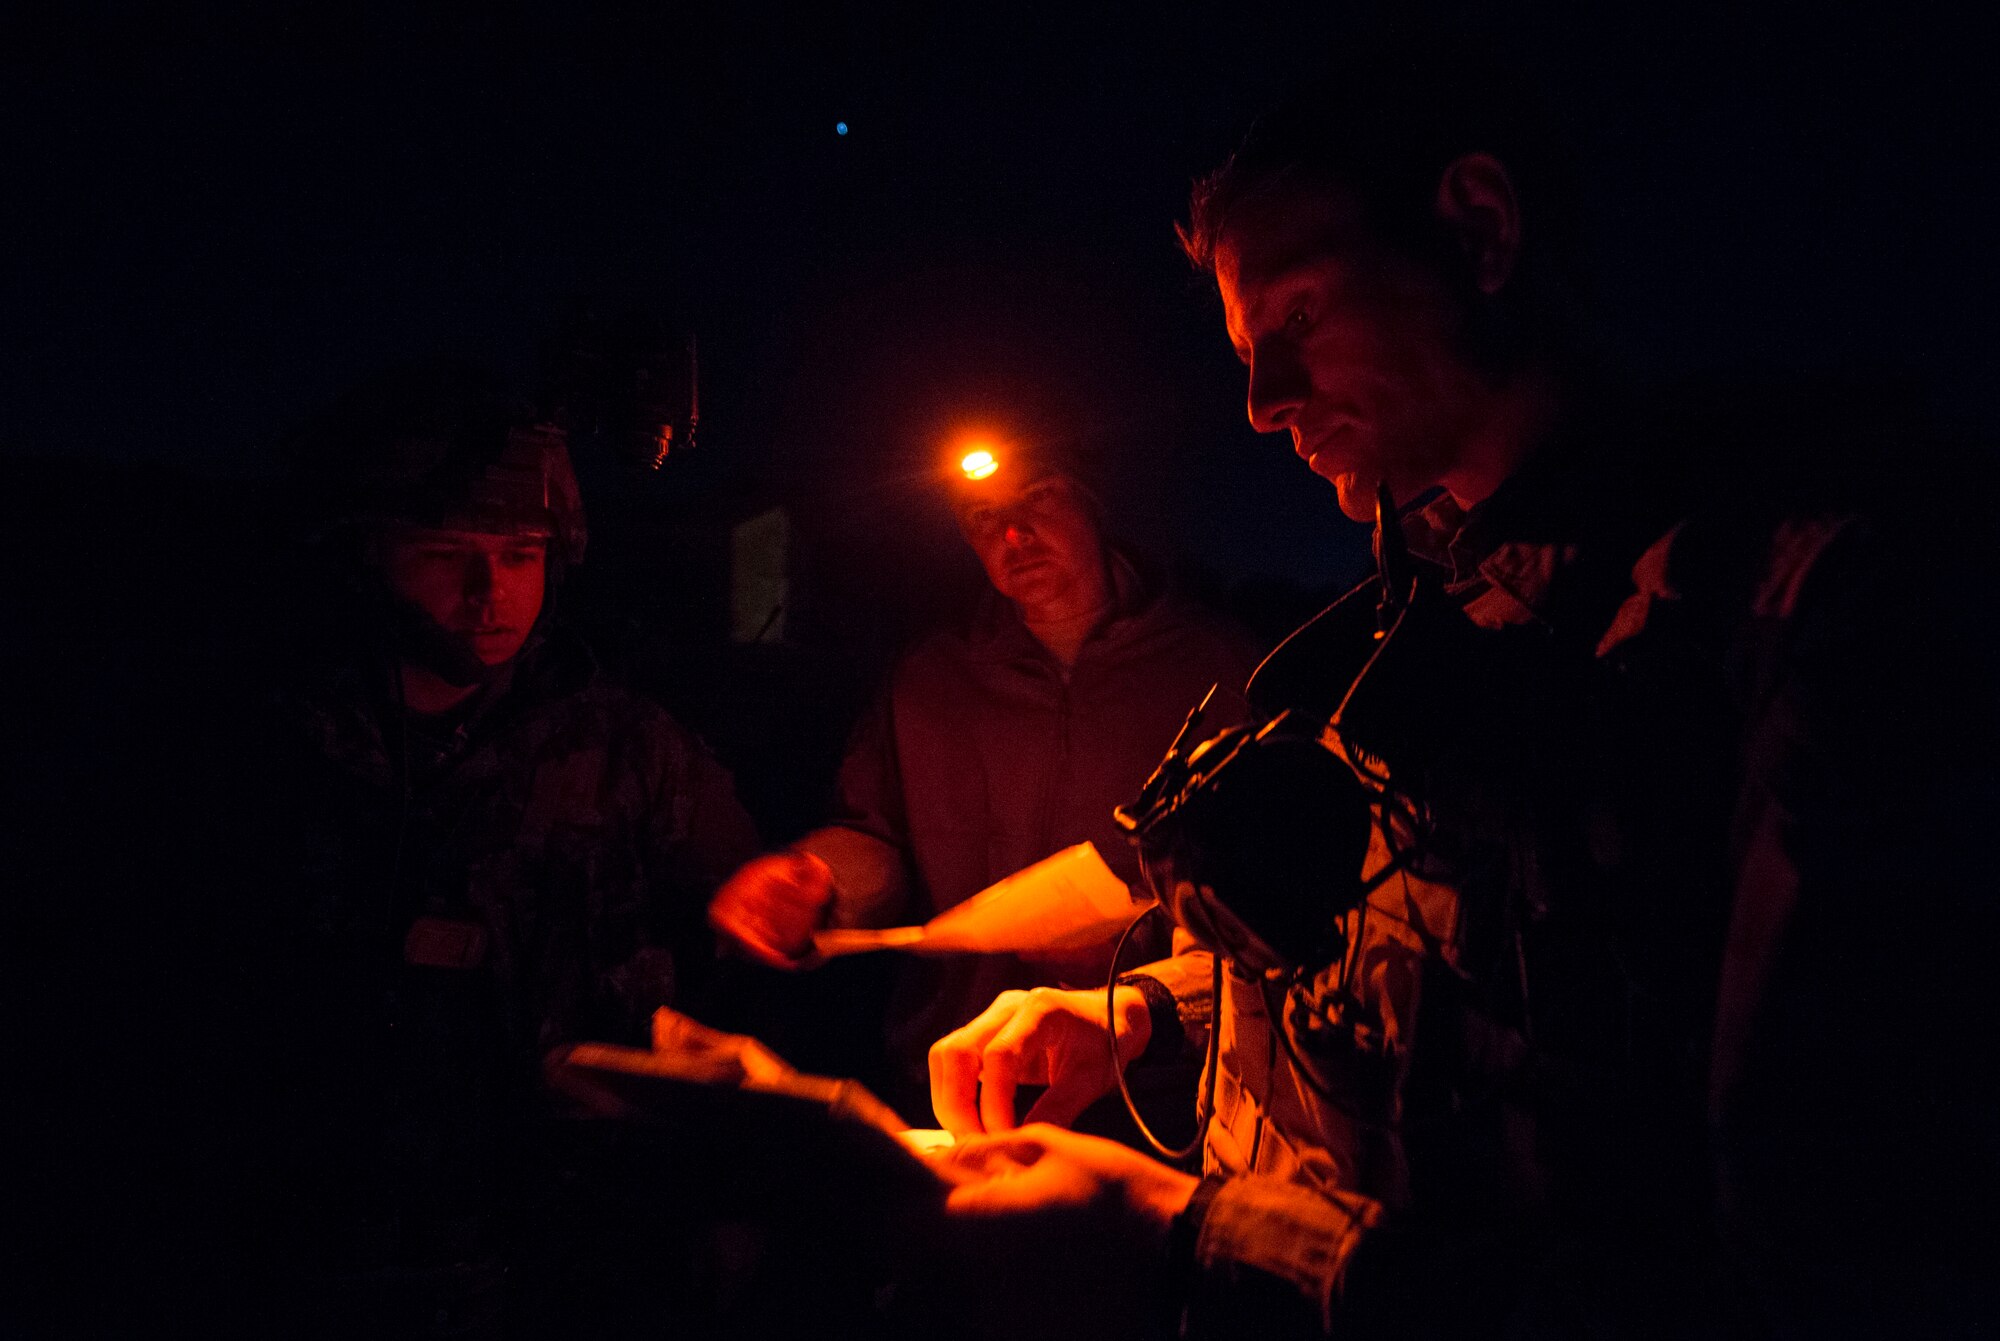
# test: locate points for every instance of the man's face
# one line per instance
(1352, 348)
(1039, 543)
(482, 588)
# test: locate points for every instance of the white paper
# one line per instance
(859, 940)
(1062, 902)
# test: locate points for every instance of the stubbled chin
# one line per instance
(1357, 495)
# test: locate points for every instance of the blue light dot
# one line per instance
(840, 128)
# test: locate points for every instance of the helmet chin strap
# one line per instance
(421, 641)
(417, 639)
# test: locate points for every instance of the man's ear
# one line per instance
(1475, 200)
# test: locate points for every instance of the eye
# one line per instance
(1298, 319)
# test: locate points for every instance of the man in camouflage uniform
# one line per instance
(478, 847)
(1661, 1013)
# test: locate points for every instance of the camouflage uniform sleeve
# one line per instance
(696, 834)
(1261, 1257)
(867, 845)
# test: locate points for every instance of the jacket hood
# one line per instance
(996, 632)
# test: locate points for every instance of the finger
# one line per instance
(925, 1143)
(675, 1032)
(768, 955)
(769, 882)
(735, 911)
(954, 1066)
(1023, 1050)
(739, 914)
(999, 1178)
(743, 935)
(1068, 1094)
(990, 1155)
(1023, 1145)
(1013, 1191)
(786, 910)
(762, 1065)
(813, 879)
(790, 929)
(999, 1077)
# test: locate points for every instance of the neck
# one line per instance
(426, 692)
(1063, 627)
(1064, 638)
(1519, 415)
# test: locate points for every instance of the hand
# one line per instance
(1039, 1037)
(743, 1059)
(770, 908)
(1084, 1221)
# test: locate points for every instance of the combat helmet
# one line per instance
(440, 445)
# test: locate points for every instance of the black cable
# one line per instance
(1393, 805)
(1397, 865)
(1161, 1148)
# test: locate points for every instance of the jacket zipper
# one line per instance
(1059, 778)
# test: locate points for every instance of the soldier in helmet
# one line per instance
(478, 848)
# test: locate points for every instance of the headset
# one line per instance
(1254, 839)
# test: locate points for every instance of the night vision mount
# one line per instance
(626, 385)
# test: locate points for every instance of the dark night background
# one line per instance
(215, 219)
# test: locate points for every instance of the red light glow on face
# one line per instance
(485, 589)
(978, 463)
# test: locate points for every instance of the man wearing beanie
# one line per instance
(994, 744)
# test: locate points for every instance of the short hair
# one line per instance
(1382, 127)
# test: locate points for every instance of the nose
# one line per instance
(1278, 388)
(483, 578)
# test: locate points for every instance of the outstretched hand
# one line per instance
(1040, 1037)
